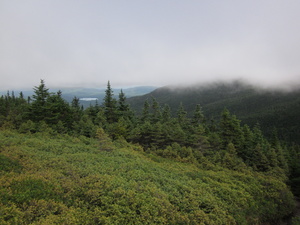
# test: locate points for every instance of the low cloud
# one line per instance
(148, 43)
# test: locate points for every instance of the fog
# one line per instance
(131, 43)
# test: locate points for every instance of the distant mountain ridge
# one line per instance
(268, 107)
(99, 93)
(69, 93)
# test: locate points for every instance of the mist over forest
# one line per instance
(150, 112)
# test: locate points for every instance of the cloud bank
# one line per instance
(87, 43)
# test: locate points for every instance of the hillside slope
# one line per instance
(59, 179)
(269, 108)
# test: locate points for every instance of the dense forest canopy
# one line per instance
(251, 104)
(156, 167)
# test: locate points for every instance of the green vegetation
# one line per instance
(73, 180)
(269, 108)
(61, 164)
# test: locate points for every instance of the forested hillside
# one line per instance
(271, 108)
(62, 164)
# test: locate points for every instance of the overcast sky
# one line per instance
(147, 42)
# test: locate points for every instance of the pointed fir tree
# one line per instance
(166, 114)
(110, 105)
(124, 109)
(76, 109)
(198, 117)
(230, 129)
(156, 113)
(182, 116)
(247, 145)
(38, 108)
(146, 113)
(100, 119)
(123, 106)
(58, 110)
(230, 159)
(258, 137)
(259, 160)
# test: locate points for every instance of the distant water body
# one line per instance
(88, 99)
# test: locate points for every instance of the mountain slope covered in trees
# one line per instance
(271, 108)
(62, 164)
(59, 179)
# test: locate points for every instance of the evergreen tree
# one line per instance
(110, 105)
(272, 157)
(58, 111)
(145, 134)
(97, 107)
(105, 142)
(182, 116)
(118, 129)
(12, 110)
(282, 160)
(158, 136)
(146, 113)
(2, 111)
(198, 117)
(259, 160)
(86, 127)
(274, 140)
(246, 150)
(123, 108)
(156, 113)
(100, 119)
(177, 134)
(215, 143)
(258, 137)
(21, 96)
(197, 138)
(230, 159)
(230, 156)
(92, 111)
(166, 114)
(77, 111)
(230, 129)
(295, 169)
(38, 109)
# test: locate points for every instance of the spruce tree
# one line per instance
(123, 106)
(182, 116)
(246, 150)
(259, 160)
(230, 129)
(124, 109)
(146, 114)
(156, 113)
(58, 111)
(38, 109)
(198, 117)
(110, 105)
(76, 109)
(166, 114)
(100, 119)
(258, 137)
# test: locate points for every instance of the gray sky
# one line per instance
(148, 42)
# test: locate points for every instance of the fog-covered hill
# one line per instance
(268, 107)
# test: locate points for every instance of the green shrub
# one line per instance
(28, 189)
(7, 164)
